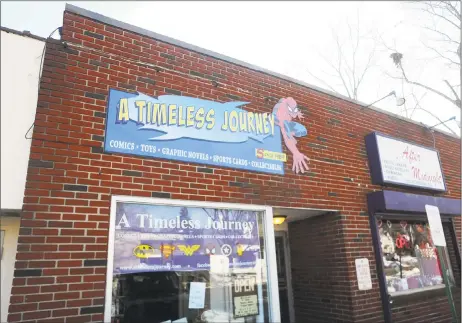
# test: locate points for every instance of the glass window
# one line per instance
(178, 264)
(410, 259)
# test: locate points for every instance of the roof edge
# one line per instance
(138, 30)
(10, 212)
(22, 33)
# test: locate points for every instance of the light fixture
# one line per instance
(443, 122)
(279, 219)
(399, 101)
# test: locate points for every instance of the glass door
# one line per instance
(183, 264)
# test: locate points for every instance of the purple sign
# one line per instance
(171, 238)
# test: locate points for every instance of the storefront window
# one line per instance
(188, 264)
(410, 259)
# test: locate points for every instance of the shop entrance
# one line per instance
(190, 262)
(297, 260)
(283, 268)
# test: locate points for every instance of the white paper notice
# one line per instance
(182, 320)
(436, 227)
(363, 274)
(219, 264)
(196, 295)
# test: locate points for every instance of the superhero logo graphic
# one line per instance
(226, 249)
(167, 250)
(209, 251)
(143, 251)
(188, 250)
(239, 249)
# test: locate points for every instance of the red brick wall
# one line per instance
(426, 310)
(63, 239)
(319, 260)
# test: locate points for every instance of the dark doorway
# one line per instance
(283, 282)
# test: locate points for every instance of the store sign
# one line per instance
(151, 238)
(206, 132)
(398, 162)
(245, 295)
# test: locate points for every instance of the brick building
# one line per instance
(91, 176)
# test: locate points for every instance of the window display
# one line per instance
(410, 259)
(188, 264)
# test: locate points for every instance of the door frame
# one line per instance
(269, 241)
(288, 267)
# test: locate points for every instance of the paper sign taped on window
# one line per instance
(436, 227)
(197, 295)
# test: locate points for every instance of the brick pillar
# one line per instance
(319, 276)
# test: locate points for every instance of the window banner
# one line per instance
(168, 238)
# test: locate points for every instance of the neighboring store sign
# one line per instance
(363, 274)
(398, 162)
(245, 295)
(436, 227)
(168, 238)
(206, 132)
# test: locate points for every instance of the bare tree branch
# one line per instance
(455, 102)
(417, 103)
(452, 89)
(418, 107)
(448, 39)
(339, 69)
(450, 8)
(324, 82)
(441, 55)
(433, 13)
(346, 64)
(368, 65)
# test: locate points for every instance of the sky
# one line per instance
(291, 38)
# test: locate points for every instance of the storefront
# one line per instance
(408, 263)
(161, 174)
(189, 262)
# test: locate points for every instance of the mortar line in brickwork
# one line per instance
(198, 78)
(174, 72)
(195, 77)
(65, 143)
(160, 69)
(139, 62)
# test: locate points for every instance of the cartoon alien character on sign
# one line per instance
(285, 111)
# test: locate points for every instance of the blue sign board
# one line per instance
(202, 131)
(171, 238)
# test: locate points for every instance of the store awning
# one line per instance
(392, 201)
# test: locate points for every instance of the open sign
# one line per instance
(245, 295)
(245, 284)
